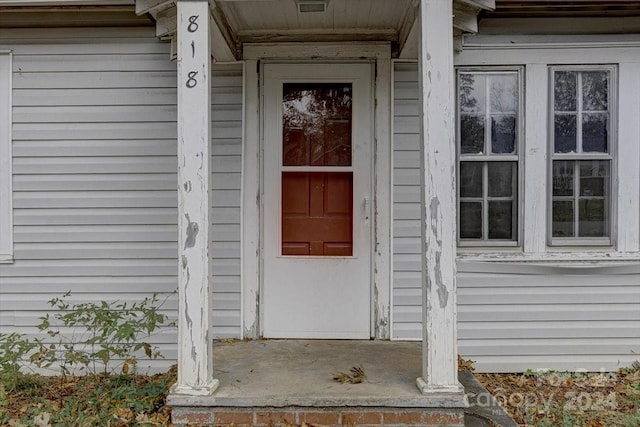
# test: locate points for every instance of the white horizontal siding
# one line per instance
(511, 317)
(407, 291)
(226, 164)
(550, 317)
(94, 172)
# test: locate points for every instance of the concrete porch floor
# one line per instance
(294, 377)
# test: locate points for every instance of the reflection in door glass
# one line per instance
(316, 124)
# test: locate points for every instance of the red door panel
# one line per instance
(317, 213)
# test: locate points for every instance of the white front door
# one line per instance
(317, 145)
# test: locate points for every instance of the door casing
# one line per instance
(379, 54)
(317, 296)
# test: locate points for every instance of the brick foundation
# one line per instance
(297, 416)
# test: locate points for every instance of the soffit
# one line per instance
(272, 21)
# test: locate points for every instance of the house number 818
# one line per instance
(192, 28)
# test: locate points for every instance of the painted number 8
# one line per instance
(191, 80)
(193, 25)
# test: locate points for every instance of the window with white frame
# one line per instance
(581, 155)
(6, 238)
(488, 134)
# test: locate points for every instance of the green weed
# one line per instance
(98, 337)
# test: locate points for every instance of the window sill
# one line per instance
(6, 259)
(570, 259)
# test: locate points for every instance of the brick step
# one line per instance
(311, 417)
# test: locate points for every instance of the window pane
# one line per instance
(594, 178)
(594, 132)
(564, 90)
(316, 124)
(472, 134)
(565, 133)
(501, 224)
(562, 218)
(503, 134)
(471, 220)
(502, 177)
(594, 90)
(504, 93)
(592, 221)
(563, 178)
(470, 179)
(472, 89)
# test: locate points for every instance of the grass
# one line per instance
(92, 400)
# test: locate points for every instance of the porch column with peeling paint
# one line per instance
(195, 352)
(439, 348)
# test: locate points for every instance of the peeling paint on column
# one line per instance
(380, 316)
(443, 294)
(191, 233)
(437, 99)
(195, 367)
(186, 314)
(433, 209)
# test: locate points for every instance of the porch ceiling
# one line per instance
(239, 22)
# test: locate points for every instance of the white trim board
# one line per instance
(316, 51)
(6, 202)
(557, 54)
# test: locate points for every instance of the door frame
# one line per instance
(252, 201)
(353, 320)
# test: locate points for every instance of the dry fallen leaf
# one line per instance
(356, 377)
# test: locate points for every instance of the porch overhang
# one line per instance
(239, 22)
(192, 24)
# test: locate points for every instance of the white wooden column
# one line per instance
(439, 348)
(195, 352)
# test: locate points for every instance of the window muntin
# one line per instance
(489, 108)
(581, 161)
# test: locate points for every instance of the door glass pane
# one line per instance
(317, 120)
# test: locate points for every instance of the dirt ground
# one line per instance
(562, 399)
(533, 399)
